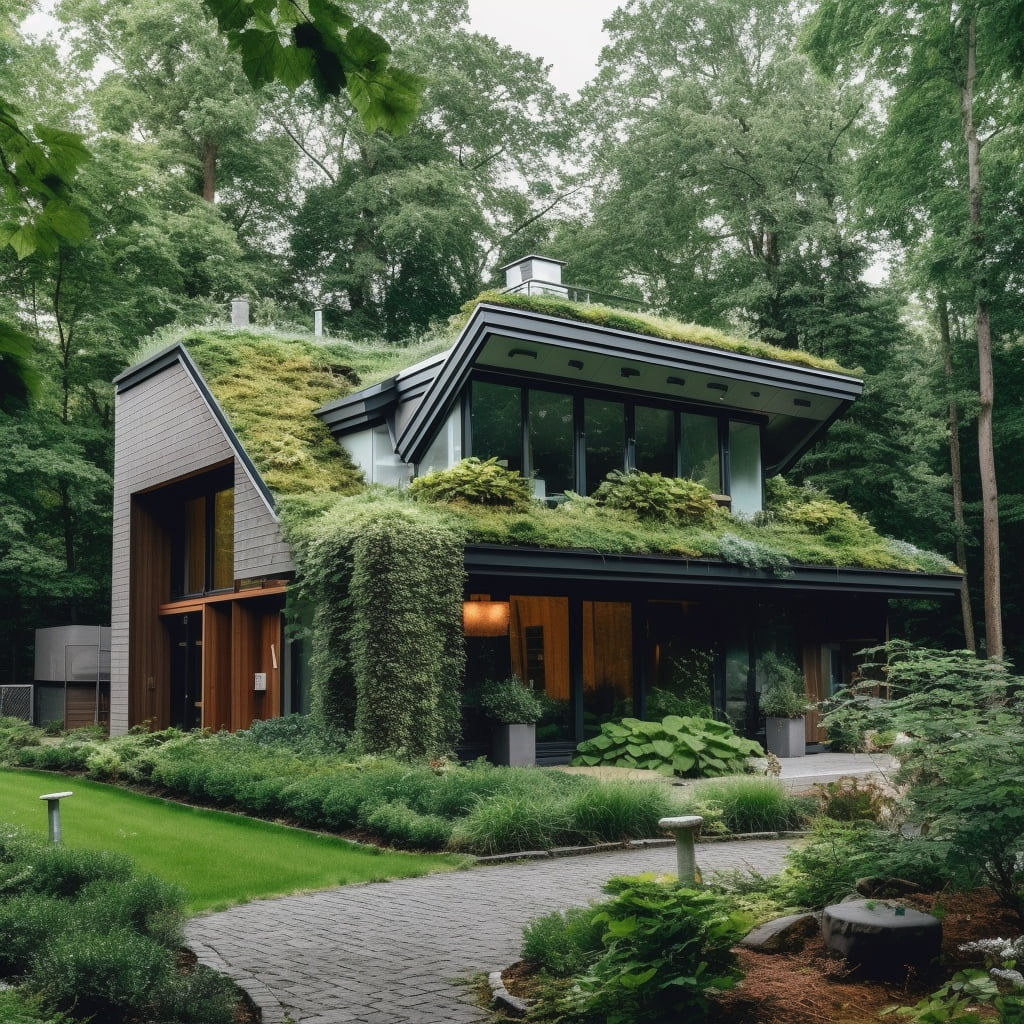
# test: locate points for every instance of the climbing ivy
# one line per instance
(385, 585)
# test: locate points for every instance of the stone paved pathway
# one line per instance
(388, 952)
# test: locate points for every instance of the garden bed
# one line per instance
(814, 987)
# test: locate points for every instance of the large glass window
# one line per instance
(551, 443)
(539, 641)
(605, 432)
(745, 468)
(701, 459)
(497, 423)
(654, 431)
(203, 548)
(607, 663)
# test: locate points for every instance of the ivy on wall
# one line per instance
(385, 583)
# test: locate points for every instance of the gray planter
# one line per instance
(515, 745)
(785, 737)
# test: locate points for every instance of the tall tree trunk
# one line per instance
(209, 170)
(956, 471)
(986, 389)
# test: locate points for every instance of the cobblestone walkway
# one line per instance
(388, 952)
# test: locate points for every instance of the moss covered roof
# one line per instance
(269, 384)
(664, 328)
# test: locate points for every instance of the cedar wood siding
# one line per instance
(166, 430)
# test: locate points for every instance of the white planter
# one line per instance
(515, 745)
(786, 737)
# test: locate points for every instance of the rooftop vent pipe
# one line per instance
(535, 275)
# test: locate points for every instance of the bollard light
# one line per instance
(53, 808)
(685, 830)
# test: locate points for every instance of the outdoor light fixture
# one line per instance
(576, 364)
(629, 371)
(522, 352)
(680, 381)
(803, 403)
(485, 618)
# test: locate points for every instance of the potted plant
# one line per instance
(784, 703)
(514, 709)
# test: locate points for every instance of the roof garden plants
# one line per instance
(509, 702)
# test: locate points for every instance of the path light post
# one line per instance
(685, 830)
(53, 808)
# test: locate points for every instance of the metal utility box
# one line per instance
(72, 675)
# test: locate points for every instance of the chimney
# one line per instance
(240, 312)
(318, 322)
(535, 275)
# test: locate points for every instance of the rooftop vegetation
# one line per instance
(654, 326)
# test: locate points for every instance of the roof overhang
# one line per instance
(575, 566)
(796, 404)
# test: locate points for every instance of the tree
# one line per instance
(397, 231)
(952, 71)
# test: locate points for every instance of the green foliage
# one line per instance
(508, 701)
(384, 580)
(755, 804)
(665, 948)
(564, 942)
(853, 799)
(688, 747)
(958, 1001)
(475, 482)
(269, 385)
(825, 867)
(639, 323)
(19, 1007)
(753, 554)
(964, 767)
(325, 47)
(409, 828)
(653, 496)
(782, 687)
(92, 937)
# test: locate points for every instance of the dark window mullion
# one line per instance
(723, 450)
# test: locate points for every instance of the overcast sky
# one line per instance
(567, 34)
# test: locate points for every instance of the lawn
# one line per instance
(220, 859)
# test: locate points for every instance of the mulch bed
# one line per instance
(814, 987)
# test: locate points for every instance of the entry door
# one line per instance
(187, 670)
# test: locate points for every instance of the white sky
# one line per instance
(566, 34)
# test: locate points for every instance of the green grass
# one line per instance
(220, 859)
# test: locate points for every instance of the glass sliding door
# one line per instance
(552, 439)
(604, 425)
(496, 416)
(654, 435)
(701, 458)
(745, 468)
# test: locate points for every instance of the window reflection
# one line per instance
(497, 423)
(654, 431)
(605, 431)
(701, 459)
(551, 443)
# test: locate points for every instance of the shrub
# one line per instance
(616, 811)
(199, 996)
(826, 867)
(144, 903)
(853, 800)
(783, 688)
(513, 822)
(16, 734)
(564, 942)
(58, 870)
(657, 497)
(475, 482)
(27, 922)
(693, 747)
(296, 733)
(110, 977)
(752, 554)
(396, 822)
(665, 947)
(755, 804)
(19, 1007)
(510, 702)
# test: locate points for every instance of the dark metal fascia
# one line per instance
(525, 325)
(177, 353)
(365, 408)
(592, 567)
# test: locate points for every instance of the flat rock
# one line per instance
(883, 938)
(783, 935)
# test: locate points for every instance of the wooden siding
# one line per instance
(165, 431)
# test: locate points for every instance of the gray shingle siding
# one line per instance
(165, 430)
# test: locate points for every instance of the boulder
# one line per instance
(783, 935)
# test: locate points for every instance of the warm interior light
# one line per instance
(485, 618)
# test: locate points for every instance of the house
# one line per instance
(560, 391)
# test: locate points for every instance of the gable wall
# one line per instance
(164, 430)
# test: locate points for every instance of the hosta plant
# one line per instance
(677, 745)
